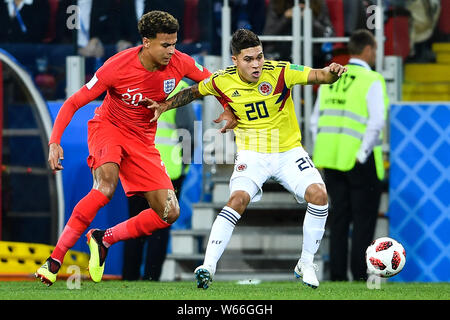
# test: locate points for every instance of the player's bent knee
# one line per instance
(239, 201)
(107, 189)
(106, 178)
(316, 193)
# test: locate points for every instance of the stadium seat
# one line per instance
(341, 59)
(444, 21)
(191, 29)
(396, 31)
(51, 31)
(336, 12)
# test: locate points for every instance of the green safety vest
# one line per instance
(166, 139)
(343, 120)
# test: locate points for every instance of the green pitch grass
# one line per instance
(289, 290)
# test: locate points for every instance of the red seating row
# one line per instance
(396, 30)
(444, 21)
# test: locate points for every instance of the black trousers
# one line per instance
(354, 199)
(156, 249)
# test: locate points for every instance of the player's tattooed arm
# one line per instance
(182, 98)
(185, 96)
(189, 94)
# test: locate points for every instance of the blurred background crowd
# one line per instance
(41, 33)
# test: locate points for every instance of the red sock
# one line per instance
(143, 224)
(82, 216)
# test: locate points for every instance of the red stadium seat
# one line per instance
(396, 31)
(336, 12)
(342, 59)
(51, 31)
(444, 21)
(191, 29)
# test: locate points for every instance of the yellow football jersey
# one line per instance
(267, 121)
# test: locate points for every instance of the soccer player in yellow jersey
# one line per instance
(269, 144)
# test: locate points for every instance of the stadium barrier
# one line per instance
(20, 260)
(419, 191)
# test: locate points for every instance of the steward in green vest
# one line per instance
(166, 139)
(348, 121)
(343, 117)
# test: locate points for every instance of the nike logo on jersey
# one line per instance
(131, 90)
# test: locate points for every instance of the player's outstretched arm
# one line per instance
(326, 75)
(184, 97)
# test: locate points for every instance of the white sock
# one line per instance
(219, 236)
(313, 230)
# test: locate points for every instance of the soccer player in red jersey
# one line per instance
(121, 141)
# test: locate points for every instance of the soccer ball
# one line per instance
(385, 257)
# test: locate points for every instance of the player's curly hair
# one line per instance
(154, 22)
(243, 39)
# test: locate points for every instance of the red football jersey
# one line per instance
(127, 82)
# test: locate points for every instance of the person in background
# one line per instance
(248, 14)
(355, 16)
(132, 11)
(23, 21)
(347, 122)
(279, 22)
(425, 15)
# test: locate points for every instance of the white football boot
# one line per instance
(307, 271)
(204, 276)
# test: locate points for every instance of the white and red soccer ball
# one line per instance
(385, 257)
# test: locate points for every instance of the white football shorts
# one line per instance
(293, 169)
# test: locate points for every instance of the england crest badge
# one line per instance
(169, 85)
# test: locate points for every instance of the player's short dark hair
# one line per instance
(154, 22)
(359, 40)
(243, 39)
